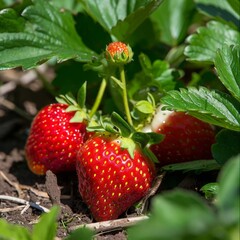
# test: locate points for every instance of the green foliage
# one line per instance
(10, 21)
(45, 229)
(10, 231)
(210, 106)
(221, 10)
(199, 165)
(228, 197)
(81, 234)
(155, 78)
(186, 56)
(120, 18)
(179, 214)
(48, 33)
(203, 46)
(228, 66)
(226, 146)
(71, 5)
(173, 19)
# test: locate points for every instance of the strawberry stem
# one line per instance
(99, 97)
(125, 97)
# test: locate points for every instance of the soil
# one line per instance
(21, 96)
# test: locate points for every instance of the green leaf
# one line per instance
(71, 5)
(168, 219)
(155, 78)
(10, 21)
(47, 226)
(117, 81)
(148, 153)
(235, 4)
(13, 231)
(227, 63)
(144, 107)
(219, 10)
(67, 99)
(154, 138)
(6, 3)
(227, 145)
(141, 138)
(204, 44)
(173, 19)
(81, 96)
(72, 108)
(120, 18)
(78, 117)
(48, 33)
(228, 197)
(129, 144)
(125, 129)
(210, 106)
(81, 233)
(199, 165)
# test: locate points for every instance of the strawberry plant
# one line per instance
(142, 89)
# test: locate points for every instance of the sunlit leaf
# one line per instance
(210, 106)
(227, 63)
(48, 33)
(204, 44)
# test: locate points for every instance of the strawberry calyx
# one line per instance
(127, 136)
(76, 105)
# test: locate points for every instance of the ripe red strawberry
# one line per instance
(119, 52)
(186, 138)
(110, 181)
(53, 141)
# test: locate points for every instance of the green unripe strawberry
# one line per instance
(119, 53)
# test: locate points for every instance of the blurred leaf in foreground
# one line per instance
(180, 214)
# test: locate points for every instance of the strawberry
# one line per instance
(110, 180)
(53, 140)
(186, 138)
(119, 53)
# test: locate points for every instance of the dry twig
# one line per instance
(13, 184)
(111, 225)
(20, 187)
(3, 210)
(24, 202)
